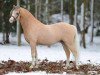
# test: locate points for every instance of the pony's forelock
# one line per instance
(14, 8)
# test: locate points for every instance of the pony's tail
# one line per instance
(76, 41)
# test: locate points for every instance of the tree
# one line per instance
(62, 10)
(28, 4)
(18, 28)
(6, 10)
(92, 20)
(83, 6)
(75, 18)
(71, 11)
(46, 11)
(40, 11)
(36, 8)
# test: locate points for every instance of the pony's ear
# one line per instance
(14, 6)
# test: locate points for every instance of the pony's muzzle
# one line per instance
(11, 20)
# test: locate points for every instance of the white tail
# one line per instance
(77, 47)
(77, 40)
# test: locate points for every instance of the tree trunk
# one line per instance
(71, 11)
(83, 24)
(40, 5)
(61, 10)
(36, 8)
(7, 37)
(18, 28)
(92, 20)
(46, 12)
(75, 18)
(3, 28)
(28, 4)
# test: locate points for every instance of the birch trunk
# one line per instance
(18, 28)
(92, 20)
(75, 17)
(83, 24)
(28, 7)
(36, 8)
(61, 10)
(46, 12)
(40, 5)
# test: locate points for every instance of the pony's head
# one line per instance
(14, 14)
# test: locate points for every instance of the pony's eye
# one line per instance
(17, 13)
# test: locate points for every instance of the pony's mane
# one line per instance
(29, 14)
(23, 10)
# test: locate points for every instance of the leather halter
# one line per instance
(15, 18)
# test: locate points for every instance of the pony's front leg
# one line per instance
(34, 55)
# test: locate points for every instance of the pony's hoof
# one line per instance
(67, 67)
(34, 66)
(31, 67)
(77, 67)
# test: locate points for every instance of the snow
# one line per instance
(53, 53)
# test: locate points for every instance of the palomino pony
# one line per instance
(36, 33)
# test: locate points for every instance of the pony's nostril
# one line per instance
(10, 20)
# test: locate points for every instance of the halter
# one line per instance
(15, 18)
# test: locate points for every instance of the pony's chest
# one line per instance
(27, 37)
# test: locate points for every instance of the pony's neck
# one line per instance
(27, 19)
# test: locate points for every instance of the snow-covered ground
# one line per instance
(54, 53)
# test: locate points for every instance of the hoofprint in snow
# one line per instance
(53, 53)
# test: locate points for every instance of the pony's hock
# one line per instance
(36, 33)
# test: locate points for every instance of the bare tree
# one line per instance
(83, 41)
(36, 8)
(40, 6)
(28, 4)
(71, 11)
(75, 17)
(92, 20)
(62, 9)
(3, 28)
(18, 28)
(46, 3)
(2, 20)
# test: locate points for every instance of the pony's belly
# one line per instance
(48, 42)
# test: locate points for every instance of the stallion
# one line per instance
(37, 33)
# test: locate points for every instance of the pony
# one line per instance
(37, 33)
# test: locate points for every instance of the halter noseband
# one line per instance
(15, 18)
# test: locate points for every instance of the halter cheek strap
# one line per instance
(15, 18)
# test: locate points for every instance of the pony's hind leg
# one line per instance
(74, 51)
(67, 52)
